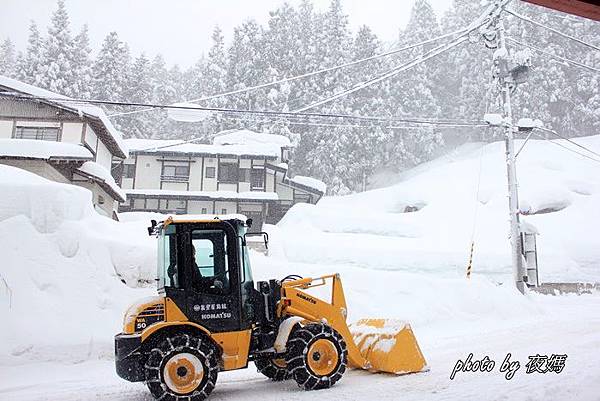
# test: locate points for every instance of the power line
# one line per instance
(309, 74)
(578, 64)
(521, 17)
(569, 140)
(266, 113)
(487, 16)
(390, 73)
(567, 148)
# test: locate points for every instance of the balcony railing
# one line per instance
(175, 178)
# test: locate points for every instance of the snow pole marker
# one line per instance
(470, 265)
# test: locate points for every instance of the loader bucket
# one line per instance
(388, 346)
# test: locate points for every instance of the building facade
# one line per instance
(47, 134)
(241, 172)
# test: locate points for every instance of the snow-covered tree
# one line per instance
(214, 78)
(247, 66)
(138, 90)
(411, 93)
(57, 73)
(29, 64)
(111, 69)
(7, 58)
(216, 68)
(82, 66)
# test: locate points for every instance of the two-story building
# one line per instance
(53, 136)
(241, 172)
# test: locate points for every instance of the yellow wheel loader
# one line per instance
(209, 317)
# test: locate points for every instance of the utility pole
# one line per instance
(501, 57)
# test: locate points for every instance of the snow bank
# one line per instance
(62, 266)
(560, 190)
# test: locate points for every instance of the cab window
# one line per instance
(210, 265)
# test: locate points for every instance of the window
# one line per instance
(223, 211)
(39, 133)
(172, 206)
(228, 172)
(128, 170)
(204, 211)
(210, 267)
(244, 175)
(151, 204)
(257, 178)
(210, 172)
(167, 258)
(175, 171)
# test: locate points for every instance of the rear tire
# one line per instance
(182, 367)
(274, 369)
(317, 356)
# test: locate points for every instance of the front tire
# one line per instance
(182, 367)
(274, 369)
(317, 356)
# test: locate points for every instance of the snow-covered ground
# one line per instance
(505, 323)
(61, 263)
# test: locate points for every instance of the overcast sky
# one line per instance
(181, 29)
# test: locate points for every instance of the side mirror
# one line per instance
(152, 227)
(263, 234)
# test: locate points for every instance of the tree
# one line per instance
(57, 73)
(138, 90)
(82, 69)
(7, 58)
(111, 69)
(214, 78)
(247, 67)
(411, 93)
(29, 65)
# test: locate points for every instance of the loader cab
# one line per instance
(203, 267)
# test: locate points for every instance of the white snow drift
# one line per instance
(425, 221)
(62, 266)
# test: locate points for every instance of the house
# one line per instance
(240, 172)
(61, 140)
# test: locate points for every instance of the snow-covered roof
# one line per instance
(247, 137)
(145, 146)
(309, 182)
(103, 176)
(253, 195)
(46, 150)
(114, 139)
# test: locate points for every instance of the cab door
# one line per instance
(212, 276)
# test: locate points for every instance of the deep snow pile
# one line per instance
(424, 222)
(62, 266)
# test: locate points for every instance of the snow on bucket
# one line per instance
(388, 345)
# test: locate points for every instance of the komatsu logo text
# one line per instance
(306, 298)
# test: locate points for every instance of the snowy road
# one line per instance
(574, 329)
